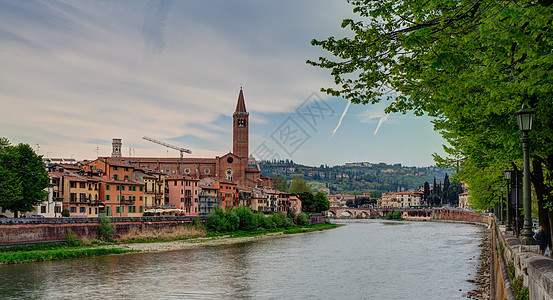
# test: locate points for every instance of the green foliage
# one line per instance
(248, 220)
(106, 229)
(280, 184)
(47, 255)
(303, 219)
(298, 186)
(320, 203)
(307, 201)
(469, 65)
(395, 215)
(242, 218)
(70, 236)
(65, 213)
(23, 177)
(521, 292)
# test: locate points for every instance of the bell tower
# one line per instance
(240, 124)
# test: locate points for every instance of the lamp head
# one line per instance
(524, 116)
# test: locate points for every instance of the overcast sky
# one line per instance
(75, 74)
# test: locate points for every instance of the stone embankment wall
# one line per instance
(28, 231)
(528, 264)
(457, 215)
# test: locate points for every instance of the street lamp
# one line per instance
(507, 175)
(525, 124)
(501, 204)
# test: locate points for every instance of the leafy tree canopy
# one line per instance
(280, 184)
(298, 186)
(23, 177)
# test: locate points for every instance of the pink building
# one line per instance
(182, 191)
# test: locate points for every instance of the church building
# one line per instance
(236, 166)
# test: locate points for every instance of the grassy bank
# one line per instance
(95, 247)
(55, 254)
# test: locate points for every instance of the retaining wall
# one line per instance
(535, 269)
(29, 231)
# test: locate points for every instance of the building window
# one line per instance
(43, 209)
(126, 169)
(82, 185)
(116, 177)
(116, 168)
(206, 171)
(141, 188)
(107, 198)
(187, 171)
(141, 209)
(73, 209)
(126, 177)
(107, 187)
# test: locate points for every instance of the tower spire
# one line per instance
(241, 105)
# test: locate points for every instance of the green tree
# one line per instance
(426, 192)
(23, 177)
(298, 186)
(320, 203)
(280, 184)
(470, 65)
(106, 229)
(307, 200)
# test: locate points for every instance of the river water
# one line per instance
(365, 259)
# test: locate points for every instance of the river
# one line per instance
(365, 259)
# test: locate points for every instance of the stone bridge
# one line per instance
(421, 214)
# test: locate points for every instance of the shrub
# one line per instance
(70, 236)
(106, 229)
(248, 221)
(280, 220)
(303, 219)
(395, 215)
(214, 219)
(65, 213)
(233, 221)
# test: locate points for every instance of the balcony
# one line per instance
(127, 202)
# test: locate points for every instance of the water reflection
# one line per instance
(368, 259)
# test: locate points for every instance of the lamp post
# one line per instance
(507, 175)
(525, 124)
(501, 214)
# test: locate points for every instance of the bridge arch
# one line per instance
(346, 214)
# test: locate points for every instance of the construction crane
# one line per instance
(182, 150)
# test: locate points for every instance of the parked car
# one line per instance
(34, 216)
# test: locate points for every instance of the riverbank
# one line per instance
(56, 251)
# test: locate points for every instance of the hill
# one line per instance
(355, 177)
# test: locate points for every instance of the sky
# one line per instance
(76, 74)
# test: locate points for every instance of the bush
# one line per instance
(233, 220)
(395, 215)
(248, 221)
(214, 219)
(106, 229)
(303, 219)
(280, 220)
(65, 213)
(70, 236)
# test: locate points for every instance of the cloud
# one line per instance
(153, 28)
